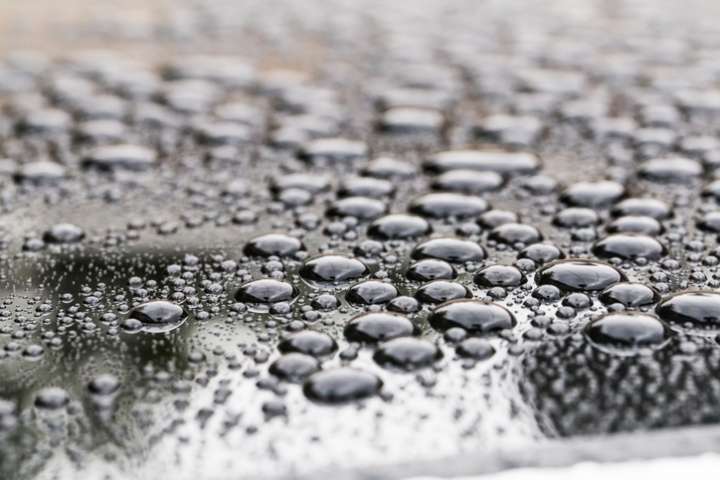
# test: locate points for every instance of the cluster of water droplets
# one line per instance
(500, 240)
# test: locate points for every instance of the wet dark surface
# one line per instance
(363, 236)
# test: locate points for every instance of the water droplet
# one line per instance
(441, 291)
(449, 249)
(158, 316)
(377, 327)
(446, 205)
(430, 269)
(407, 353)
(399, 226)
(64, 233)
(333, 269)
(52, 398)
(273, 244)
(475, 348)
(629, 246)
(294, 367)
(309, 342)
(341, 385)
(697, 308)
(579, 275)
(371, 292)
(474, 316)
(630, 295)
(265, 291)
(499, 276)
(627, 332)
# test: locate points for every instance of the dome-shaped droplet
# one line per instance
(265, 291)
(104, 384)
(451, 250)
(499, 276)
(273, 244)
(366, 187)
(362, 208)
(483, 161)
(64, 233)
(541, 253)
(333, 269)
(430, 269)
(407, 353)
(52, 398)
(629, 246)
(593, 194)
(475, 348)
(158, 316)
(627, 332)
(125, 157)
(629, 294)
(710, 222)
(468, 181)
(700, 309)
(294, 367)
(512, 233)
(398, 226)
(371, 292)
(341, 385)
(579, 275)
(441, 291)
(645, 207)
(635, 224)
(671, 170)
(377, 327)
(576, 217)
(309, 342)
(447, 205)
(474, 316)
